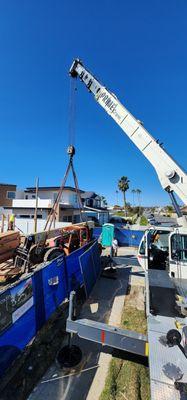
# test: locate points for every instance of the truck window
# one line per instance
(179, 247)
(142, 247)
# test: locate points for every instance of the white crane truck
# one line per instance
(162, 253)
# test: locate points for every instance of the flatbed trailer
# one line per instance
(167, 362)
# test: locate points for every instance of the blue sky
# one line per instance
(139, 51)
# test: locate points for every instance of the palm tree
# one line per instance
(138, 191)
(123, 185)
(117, 197)
(133, 191)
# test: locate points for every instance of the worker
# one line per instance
(11, 222)
(156, 240)
(114, 247)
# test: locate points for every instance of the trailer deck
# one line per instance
(168, 365)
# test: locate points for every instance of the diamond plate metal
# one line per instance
(167, 364)
(161, 391)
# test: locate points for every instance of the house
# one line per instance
(24, 202)
(7, 194)
(95, 207)
(91, 199)
(67, 211)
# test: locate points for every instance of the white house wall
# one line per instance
(29, 212)
(68, 196)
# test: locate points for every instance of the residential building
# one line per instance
(67, 211)
(7, 194)
(95, 208)
(24, 203)
(91, 199)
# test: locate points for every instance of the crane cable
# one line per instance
(72, 112)
(71, 129)
(71, 152)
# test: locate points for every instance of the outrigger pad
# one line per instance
(173, 338)
(69, 356)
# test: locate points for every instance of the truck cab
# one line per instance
(153, 251)
(164, 248)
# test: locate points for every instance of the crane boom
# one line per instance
(171, 175)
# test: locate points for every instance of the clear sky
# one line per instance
(139, 51)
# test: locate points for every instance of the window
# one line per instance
(39, 216)
(143, 246)
(33, 196)
(89, 202)
(179, 247)
(73, 199)
(55, 196)
(76, 219)
(11, 195)
(67, 218)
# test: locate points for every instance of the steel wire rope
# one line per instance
(72, 112)
(71, 139)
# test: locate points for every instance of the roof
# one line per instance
(98, 209)
(67, 207)
(32, 189)
(88, 195)
(7, 184)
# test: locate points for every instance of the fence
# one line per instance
(125, 237)
(128, 237)
(27, 305)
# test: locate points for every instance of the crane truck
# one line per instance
(162, 248)
(162, 254)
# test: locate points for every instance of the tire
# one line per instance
(53, 253)
(36, 254)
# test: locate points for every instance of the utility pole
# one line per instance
(36, 206)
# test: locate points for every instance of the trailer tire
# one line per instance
(36, 254)
(53, 253)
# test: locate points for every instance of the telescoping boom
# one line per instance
(171, 175)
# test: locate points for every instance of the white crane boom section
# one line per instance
(171, 175)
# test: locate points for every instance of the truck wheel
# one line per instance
(53, 253)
